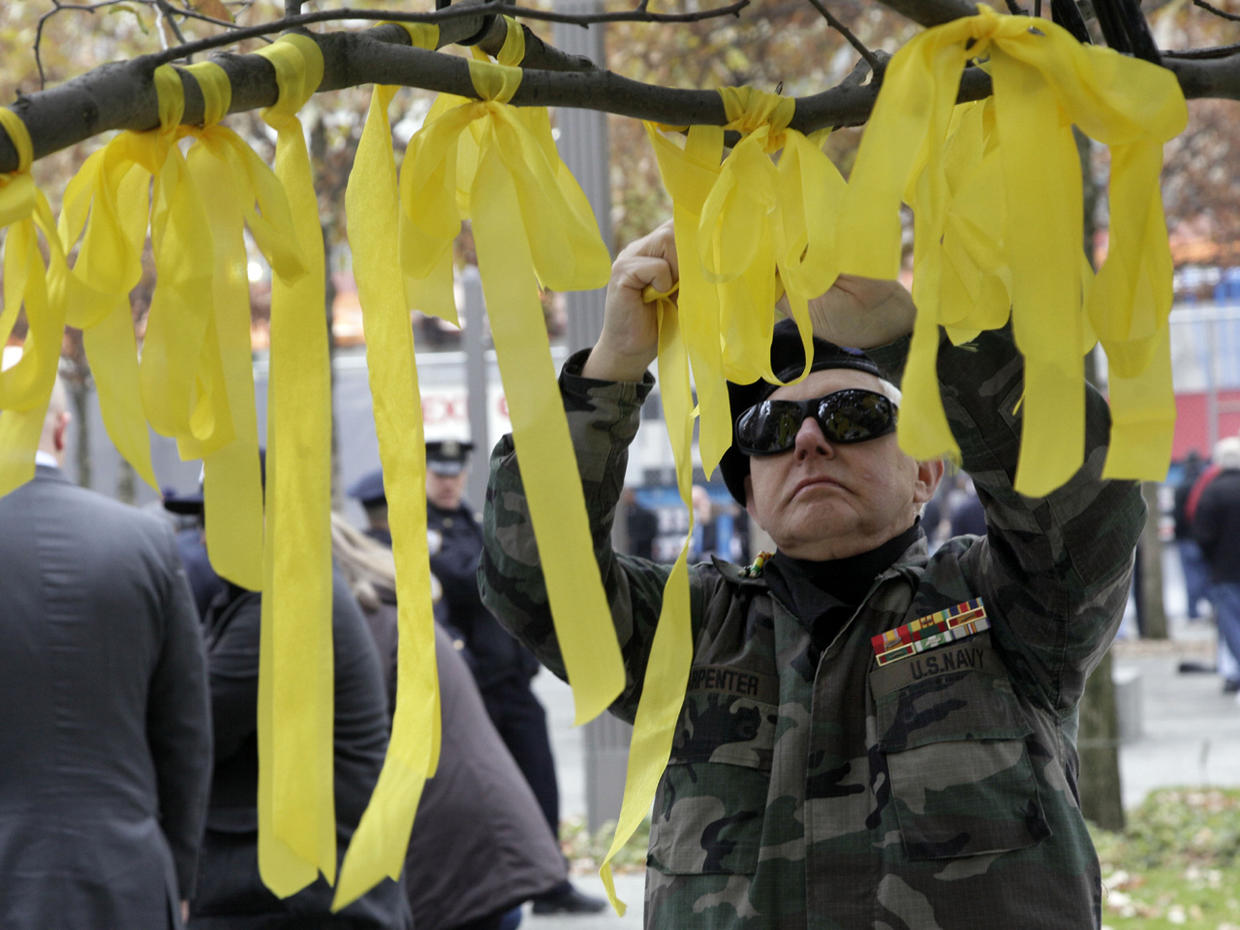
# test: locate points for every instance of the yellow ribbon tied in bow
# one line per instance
(26, 386)
(108, 206)
(754, 225)
(1044, 81)
(497, 164)
(379, 846)
(296, 805)
(239, 192)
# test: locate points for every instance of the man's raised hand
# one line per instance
(863, 312)
(630, 338)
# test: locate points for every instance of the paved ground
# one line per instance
(1189, 734)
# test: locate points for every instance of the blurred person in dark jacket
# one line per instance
(479, 847)
(192, 546)
(641, 525)
(502, 667)
(1192, 562)
(1216, 527)
(231, 894)
(105, 732)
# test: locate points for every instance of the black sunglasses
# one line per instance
(852, 415)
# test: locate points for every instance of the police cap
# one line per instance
(447, 456)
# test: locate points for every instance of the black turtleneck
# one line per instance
(822, 595)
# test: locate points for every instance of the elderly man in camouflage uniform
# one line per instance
(872, 736)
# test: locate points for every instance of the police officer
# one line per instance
(502, 666)
(368, 491)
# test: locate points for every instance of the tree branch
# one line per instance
(1213, 77)
(876, 66)
(932, 12)
(122, 96)
(1218, 51)
(163, 13)
(1232, 17)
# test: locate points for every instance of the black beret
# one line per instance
(447, 456)
(787, 361)
(188, 503)
(192, 501)
(368, 489)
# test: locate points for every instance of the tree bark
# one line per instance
(1101, 798)
(121, 95)
(1150, 587)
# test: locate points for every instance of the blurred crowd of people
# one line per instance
(131, 791)
(1206, 515)
(134, 744)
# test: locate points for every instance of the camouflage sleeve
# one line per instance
(1055, 570)
(602, 419)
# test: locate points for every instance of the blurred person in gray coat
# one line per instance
(105, 730)
(480, 846)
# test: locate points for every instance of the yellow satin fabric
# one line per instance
(1044, 81)
(531, 223)
(671, 652)
(26, 387)
(755, 226)
(689, 174)
(239, 191)
(379, 846)
(108, 205)
(296, 805)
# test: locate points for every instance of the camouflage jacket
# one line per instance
(938, 791)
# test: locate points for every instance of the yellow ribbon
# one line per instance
(239, 190)
(671, 652)
(688, 173)
(381, 842)
(107, 205)
(171, 368)
(1044, 81)
(736, 233)
(531, 223)
(297, 823)
(754, 225)
(26, 387)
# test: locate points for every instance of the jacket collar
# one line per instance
(909, 564)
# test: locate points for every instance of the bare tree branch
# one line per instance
(190, 13)
(163, 13)
(1214, 77)
(876, 66)
(932, 12)
(469, 10)
(122, 96)
(1218, 51)
(58, 7)
(1232, 17)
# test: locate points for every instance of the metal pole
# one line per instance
(476, 385)
(583, 146)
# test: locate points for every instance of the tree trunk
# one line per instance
(1101, 794)
(330, 179)
(1149, 592)
(76, 380)
(1101, 798)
